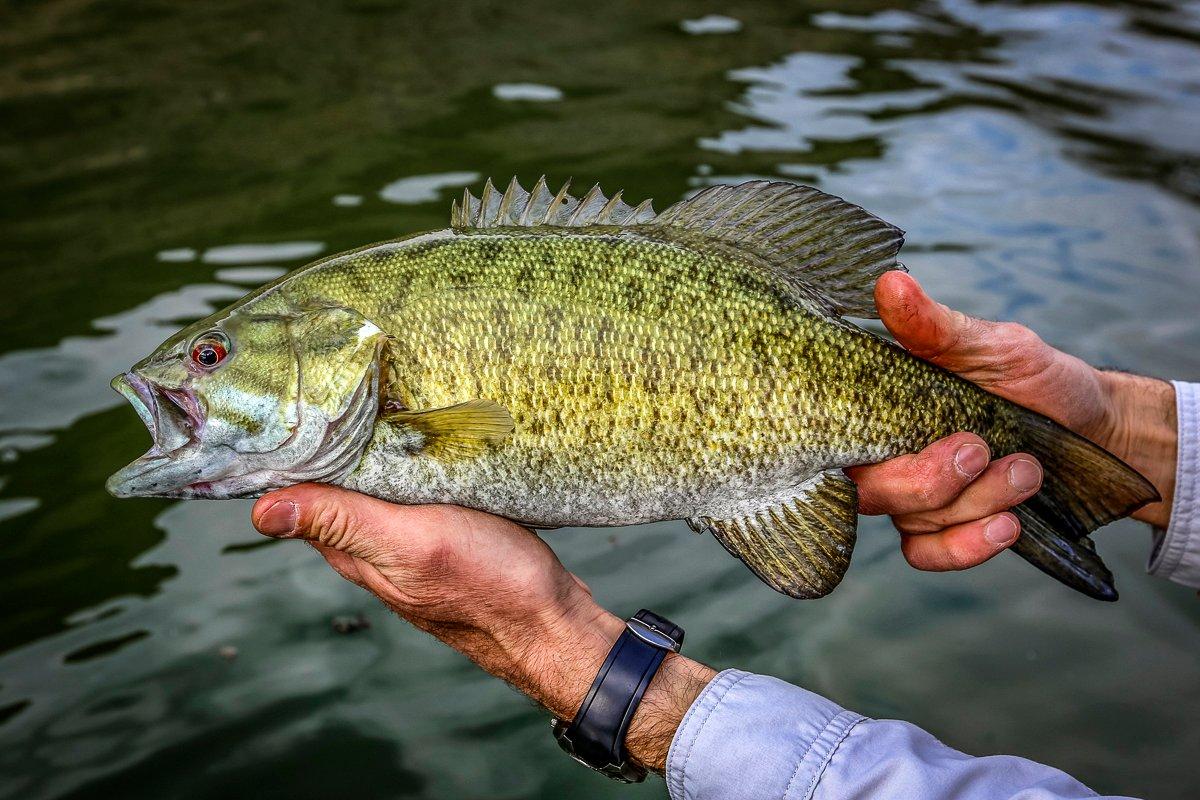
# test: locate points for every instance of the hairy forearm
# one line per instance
(1144, 434)
(556, 664)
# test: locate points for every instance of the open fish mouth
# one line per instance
(183, 463)
(172, 416)
(176, 465)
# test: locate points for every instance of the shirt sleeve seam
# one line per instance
(839, 727)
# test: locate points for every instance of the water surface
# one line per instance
(158, 160)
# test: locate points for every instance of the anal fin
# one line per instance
(800, 546)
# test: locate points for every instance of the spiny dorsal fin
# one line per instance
(519, 208)
(801, 546)
(463, 430)
(825, 244)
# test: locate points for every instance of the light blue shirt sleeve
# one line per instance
(1176, 553)
(753, 737)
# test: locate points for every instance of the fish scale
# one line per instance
(585, 362)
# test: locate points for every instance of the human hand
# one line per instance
(948, 502)
(489, 588)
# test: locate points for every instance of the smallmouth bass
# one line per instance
(564, 361)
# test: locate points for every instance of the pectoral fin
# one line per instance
(459, 431)
(800, 546)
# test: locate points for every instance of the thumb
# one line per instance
(334, 518)
(928, 329)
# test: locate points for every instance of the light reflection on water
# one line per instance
(1043, 159)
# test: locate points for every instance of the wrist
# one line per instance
(1144, 433)
(559, 673)
(559, 669)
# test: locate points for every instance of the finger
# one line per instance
(1005, 483)
(922, 481)
(341, 520)
(934, 332)
(961, 546)
(925, 327)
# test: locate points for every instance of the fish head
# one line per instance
(241, 403)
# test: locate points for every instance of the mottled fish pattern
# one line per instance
(565, 361)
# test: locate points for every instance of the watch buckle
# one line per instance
(651, 635)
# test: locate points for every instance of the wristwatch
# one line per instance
(596, 737)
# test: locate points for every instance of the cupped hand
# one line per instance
(472, 579)
(950, 502)
(489, 588)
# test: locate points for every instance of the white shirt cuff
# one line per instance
(1176, 553)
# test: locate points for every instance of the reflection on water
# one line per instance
(176, 255)
(347, 200)
(533, 92)
(418, 189)
(49, 389)
(243, 253)
(711, 23)
(1042, 157)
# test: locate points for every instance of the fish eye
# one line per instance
(210, 349)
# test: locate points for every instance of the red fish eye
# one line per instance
(209, 352)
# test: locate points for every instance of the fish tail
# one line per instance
(1084, 488)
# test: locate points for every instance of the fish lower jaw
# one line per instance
(199, 472)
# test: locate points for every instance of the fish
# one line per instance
(565, 361)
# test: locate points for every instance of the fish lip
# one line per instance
(165, 412)
(185, 473)
(174, 419)
(135, 389)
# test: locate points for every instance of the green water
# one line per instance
(1043, 157)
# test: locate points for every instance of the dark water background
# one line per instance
(158, 159)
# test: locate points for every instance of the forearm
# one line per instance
(711, 726)
(561, 659)
(555, 657)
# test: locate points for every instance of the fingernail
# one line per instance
(971, 459)
(1001, 531)
(1024, 475)
(279, 518)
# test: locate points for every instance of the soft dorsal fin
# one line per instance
(519, 208)
(831, 247)
(800, 545)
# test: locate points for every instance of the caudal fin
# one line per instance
(1085, 487)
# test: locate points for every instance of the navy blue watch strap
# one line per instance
(596, 736)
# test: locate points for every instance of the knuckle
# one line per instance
(932, 490)
(331, 524)
(937, 554)
(914, 524)
(1015, 335)
(871, 500)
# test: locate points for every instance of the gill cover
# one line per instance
(295, 400)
